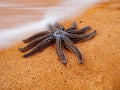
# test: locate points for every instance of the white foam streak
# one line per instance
(52, 15)
(9, 37)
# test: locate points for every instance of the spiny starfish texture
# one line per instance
(63, 38)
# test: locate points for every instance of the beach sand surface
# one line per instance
(100, 69)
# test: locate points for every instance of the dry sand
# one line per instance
(100, 69)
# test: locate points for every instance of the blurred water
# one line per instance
(21, 19)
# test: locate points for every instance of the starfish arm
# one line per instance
(39, 47)
(52, 28)
(81, 31)
(81, 36)
(70, 45)
(72, 27)
(34, 43)
(58, 48)
(35, 36)
(59, 26)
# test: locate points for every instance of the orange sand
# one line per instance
(101, 59)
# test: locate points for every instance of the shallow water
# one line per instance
(20, 18)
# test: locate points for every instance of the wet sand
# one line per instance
(100, 69)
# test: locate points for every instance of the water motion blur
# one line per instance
(19, 19)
